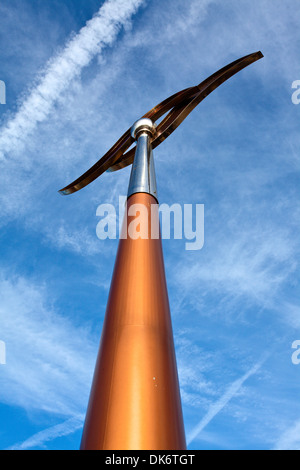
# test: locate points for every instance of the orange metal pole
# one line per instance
(135, 401)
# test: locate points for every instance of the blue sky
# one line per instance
(78, 73)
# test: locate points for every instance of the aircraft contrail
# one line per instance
(98, 32)
(216, 407)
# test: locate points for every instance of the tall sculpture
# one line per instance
(135, 399)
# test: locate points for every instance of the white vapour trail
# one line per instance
(39, 439)
(215, 408)
(98, 32)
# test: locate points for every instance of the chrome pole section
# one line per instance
(142, 178)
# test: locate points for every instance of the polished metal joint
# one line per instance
(142, 178)
(141, 126)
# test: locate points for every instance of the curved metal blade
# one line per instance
(181, 111)
(118, 149)
(180, 104)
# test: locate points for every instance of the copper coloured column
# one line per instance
(135, 400)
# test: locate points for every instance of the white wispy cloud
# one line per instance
(193, 368)
(218, 406)
(81, 242)
(49, 358)
(41, 438)
(290, 438)
(98, 33)
(251, 262)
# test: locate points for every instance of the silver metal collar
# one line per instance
(142, 178)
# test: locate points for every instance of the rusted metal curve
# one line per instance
(180, 105)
